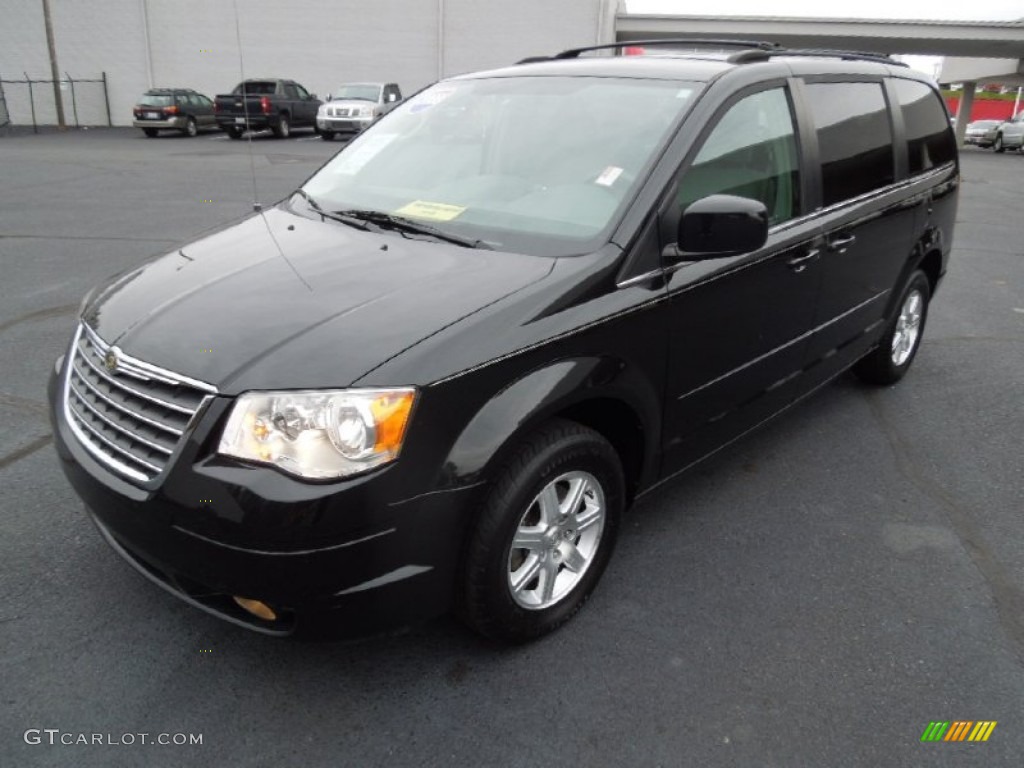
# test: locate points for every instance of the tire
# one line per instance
(150, 132)
(283, 129)
(327, 135)
(896, 350)
(234, 133)
(190, 129)
(998, 145)
(560, 458)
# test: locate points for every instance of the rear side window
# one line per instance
(854, 138)
(256, 88)
(929, 138)
(156, 100)
(751, 152)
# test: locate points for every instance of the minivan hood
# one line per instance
(281, 301)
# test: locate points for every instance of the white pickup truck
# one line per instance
(352, 107)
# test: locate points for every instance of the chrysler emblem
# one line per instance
(111, 360)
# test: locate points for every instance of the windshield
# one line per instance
(532, 164)
(360, 92)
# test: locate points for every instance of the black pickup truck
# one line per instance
(279, 105)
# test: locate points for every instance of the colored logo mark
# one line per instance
(958, 730)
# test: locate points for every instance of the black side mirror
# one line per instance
(718, 226)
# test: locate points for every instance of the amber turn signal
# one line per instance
(258, 609)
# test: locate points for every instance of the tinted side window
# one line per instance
(929, 137)
(290, 91)
(302, 92)
(854, 138)
(751, 152)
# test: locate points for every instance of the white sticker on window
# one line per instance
(608, 176)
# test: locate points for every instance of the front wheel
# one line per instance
(283, 129)
(544, 535)
(890, 361)
(998, 145)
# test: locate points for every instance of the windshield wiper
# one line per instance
(350, 220)
(408, 226)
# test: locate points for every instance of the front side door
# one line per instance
(306, 106)
(204, 110)
(1013, 131)
(739, 324)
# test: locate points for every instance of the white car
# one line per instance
(1010, 135)
(352, 107)
(981, 133)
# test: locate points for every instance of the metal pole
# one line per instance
(74, 104)
(145, 41)
(440, 39)
(58, 100)
(1016, 102)
(32, 102)
(106, 98)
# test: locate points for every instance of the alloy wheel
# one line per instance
(556, 540)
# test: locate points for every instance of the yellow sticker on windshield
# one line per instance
(419, 209)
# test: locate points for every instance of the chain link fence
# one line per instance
(30, 101)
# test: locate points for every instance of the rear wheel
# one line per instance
(234, 133)
(283, 129)
(890, 361)
(544, 536)
(998, 145)
(150, 132)
(190, 129)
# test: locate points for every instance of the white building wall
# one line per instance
(319, 43)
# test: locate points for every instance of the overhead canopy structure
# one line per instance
(990, 39)
(976, 51)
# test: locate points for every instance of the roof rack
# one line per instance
(573, 53)
(754, 50)
(750, 56)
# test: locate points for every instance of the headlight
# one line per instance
(319, 435)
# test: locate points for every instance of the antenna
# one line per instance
(256, 206)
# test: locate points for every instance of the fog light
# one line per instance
(256, 608)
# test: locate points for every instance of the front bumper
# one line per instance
(343, 125)
(343, 559)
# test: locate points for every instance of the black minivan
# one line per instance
(437, 375)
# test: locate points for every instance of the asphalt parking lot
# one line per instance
(813, 596)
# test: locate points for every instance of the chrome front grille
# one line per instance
(129, 414)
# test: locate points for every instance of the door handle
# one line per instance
(799, 263)
(840, 242)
